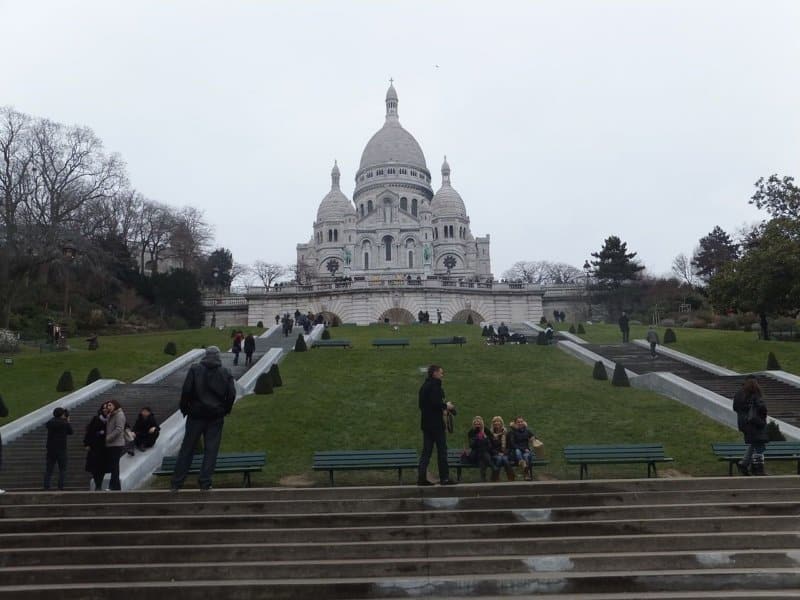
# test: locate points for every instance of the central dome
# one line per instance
(392, 143)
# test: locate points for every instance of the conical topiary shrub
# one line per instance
(541, 339)
(470, 320)
(171, 349)
(774, 432)
(300, 344)
(326, 335)
(485, 331)
(276, 376)
(65, 383)
(260, 324)
(772, 363)
(263, 384)
(669, 336)
(620, 378)
(93, 376)
(572, 328)
(581, 330)
(599, 371)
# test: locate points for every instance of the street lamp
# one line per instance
(215, 275)
(69, 253)
(587, 270)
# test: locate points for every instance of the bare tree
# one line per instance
(268, 272)
(153, 231)
(191, 237)
(683, 269)
(543, 272)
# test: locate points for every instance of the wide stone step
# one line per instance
(531, 584)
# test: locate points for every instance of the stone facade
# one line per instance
(395, 226)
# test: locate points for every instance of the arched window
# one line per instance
(330, 235)
(410, 259)
(369, 206)
(335, 235)
(366, 260)
(387, 247)
(362, 209)
(446, 231)
(414, 206)
(403, 203)
(451, 231)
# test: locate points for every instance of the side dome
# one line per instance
(391, 143)
(447, 201)
(335, 205)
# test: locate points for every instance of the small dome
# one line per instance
(335, 205)
(447, 201)
(391, 93)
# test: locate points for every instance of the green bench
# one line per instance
(235, 462)
(332, 344)
(365, 460)
(391, 342)
(449, 340)
(733, 452)
(454, 462)
(649, 454)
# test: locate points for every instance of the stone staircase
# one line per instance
(656, 538)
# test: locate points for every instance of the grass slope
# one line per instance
(31, 381)
(366, 398)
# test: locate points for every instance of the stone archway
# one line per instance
(462, 315)
(397, 316)
(331, 319)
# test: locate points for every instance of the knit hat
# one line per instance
(212, 352)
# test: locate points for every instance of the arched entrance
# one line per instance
(462, 315)
(397, 316)
(331, 319)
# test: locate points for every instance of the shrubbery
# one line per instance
(669, 336)
(93, 376)
(572, 328)
(300, 344)
(541, 339)
(772, 363)
(260, 324)
(620, 378)
(275, 374)
(263, 384)
(599, 371)
(774, 432)
(65, 383)
(326, 335)
(726, 322)
(581, 329)
(470, 320)
(171, 349)
(9, 342)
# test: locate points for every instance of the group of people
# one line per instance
(651, 336)
(500, 448)
(246, 343)
(424, 316)
(306, 321)
(106, 438)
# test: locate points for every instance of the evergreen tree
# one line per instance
(263, 384)
(93, 376)
(620, 377)
(599, 371)
(772, 362)
(669, 336)
(614, 264)
(170, 348)
(275, 373)
(65, 383)
(300, 344)
(716, 250)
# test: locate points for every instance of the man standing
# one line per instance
(438, 317)
(624, 327)
(207, 396)
(432, 408)
(652, 337)
(58, 428)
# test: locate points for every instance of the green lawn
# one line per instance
(741, 351)
(31, 381)
(364, 398)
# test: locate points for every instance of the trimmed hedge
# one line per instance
(774, 432)
(572, 329)
(275, 374)
(772, 363)
(93, 376)
(669, 336)
(300, 344)
(470, 320)
(171, 349)
(260, 324)
(620, 378)
(599, 371)
(263, 384)
(65, 382)
(581, 330)
(326, 335)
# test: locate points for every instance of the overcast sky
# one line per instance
(563, 122)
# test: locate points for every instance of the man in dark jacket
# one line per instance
(625, 328)
(207, 396)
(249, 348)
(58, 428)
(432, 407)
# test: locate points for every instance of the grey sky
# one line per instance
(563, 122)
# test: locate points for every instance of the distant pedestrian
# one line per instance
(277, 319)
(438, 316)
(625, 328)
(249, 348)
(58, 428)
(3, 413)
(433, 411)
(94, 440)
(236, 348)
(652, 337)
(145, 429)
(751, 417)
(207, 396)
(115, 441)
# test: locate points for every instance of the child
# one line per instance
(519, 443)
(58, 428)
(498, 448)
(652, 337)
(479, 446)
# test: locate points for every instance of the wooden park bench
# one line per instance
(391, 342)
(649, 454)
(332, 344)
(449, 340)
(237, 462)
(365, 460)
(454, 462)
(733, 452)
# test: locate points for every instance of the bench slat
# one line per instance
(234, 462)
(352, 460)
(607, 454)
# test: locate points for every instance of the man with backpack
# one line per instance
(207, 397)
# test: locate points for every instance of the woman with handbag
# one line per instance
(94, 440)
(115, 441)
(498, 441)
(479, 446)
(751, 416)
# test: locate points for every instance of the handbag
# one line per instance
(537, 443)
(129, 435)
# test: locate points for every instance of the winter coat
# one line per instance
(497, 442)
(237, 344)
(623, 324)
(115, 429)
(476, 444)
(95, 440)
(432, 405)
(652, 336)
(209, 390)
(143, 424)
(520, 439)
(57, 431)
(755, 421)
(249, 344)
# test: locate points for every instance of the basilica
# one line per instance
(395, 226)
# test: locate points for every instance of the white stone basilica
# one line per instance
(395, 226)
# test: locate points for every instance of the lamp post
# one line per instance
(69, 252)
(587, 269)
(215, 275)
